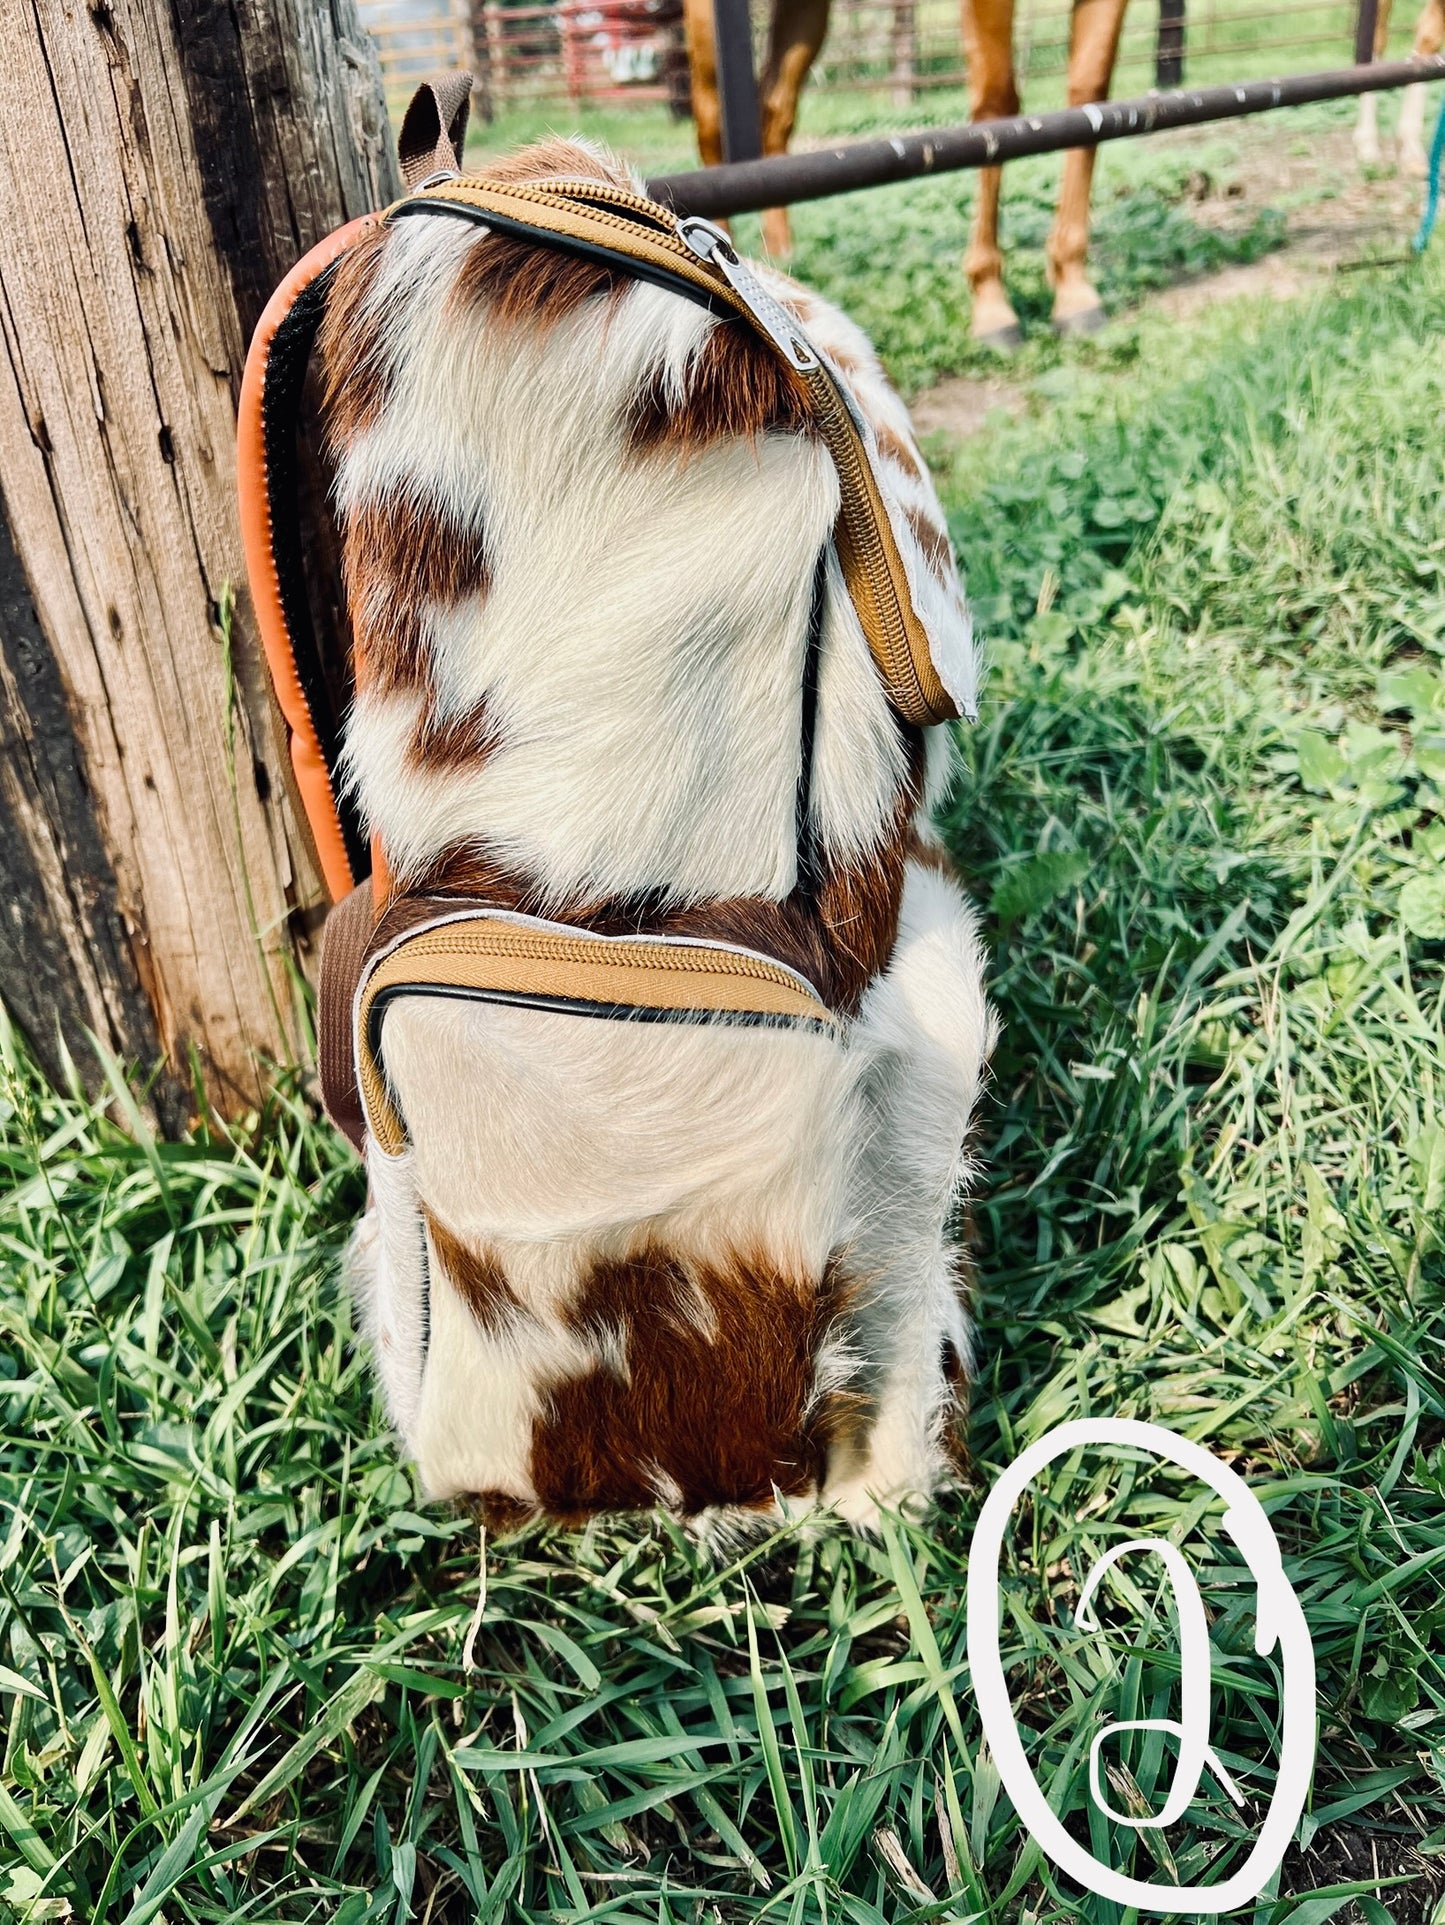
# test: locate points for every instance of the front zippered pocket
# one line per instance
(502, 958)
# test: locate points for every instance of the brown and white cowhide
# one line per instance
(631, 1263)
(1410, 135)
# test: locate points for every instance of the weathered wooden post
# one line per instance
(162, 166)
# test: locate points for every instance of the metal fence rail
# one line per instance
(744, 187)
(619, 50)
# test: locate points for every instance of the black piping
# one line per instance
(580, 1006)
(586, 250)
(808, 865)
(283, 380)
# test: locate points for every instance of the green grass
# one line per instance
(917, 310)
(893, 256)
(1205, 814)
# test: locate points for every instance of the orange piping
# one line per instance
(313, 779)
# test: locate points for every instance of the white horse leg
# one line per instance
(1367, 132)
(1412, 131)
(1367, 127)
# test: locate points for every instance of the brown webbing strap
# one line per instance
(353, 935)
(434, 132)
(344, 946)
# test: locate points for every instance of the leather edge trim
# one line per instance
(308, 762)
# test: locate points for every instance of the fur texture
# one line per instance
(624, 1263)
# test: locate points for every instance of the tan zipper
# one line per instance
(602, 952)
(915, 688)
(484, 956)
(895, 636)
(589, 193)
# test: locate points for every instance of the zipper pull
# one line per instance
(710, 244)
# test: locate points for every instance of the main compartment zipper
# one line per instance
(707, 259)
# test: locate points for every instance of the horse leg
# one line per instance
(1429, 38)
(1367, 127)
(702, 65)
(796, 33)
(1093, 45)
(988, 27)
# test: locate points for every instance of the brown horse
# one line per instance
(1429, 38)
(795, 35)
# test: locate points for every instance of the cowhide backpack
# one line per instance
(649, 996)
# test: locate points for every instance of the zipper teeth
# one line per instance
(902, 667)
(618, 197)
(652, 213)
(576, 949)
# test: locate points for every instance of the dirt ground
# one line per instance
(958, 406)
(1339, 217)
(1349, 1854)
(1339, 221)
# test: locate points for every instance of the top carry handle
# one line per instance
(600, 222)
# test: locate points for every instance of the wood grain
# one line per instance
(163, 167)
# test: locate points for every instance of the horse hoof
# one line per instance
(1084, 320)
(777, 236)
(1002, 340)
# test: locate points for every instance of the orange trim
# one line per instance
(380, 876)
(312, 777)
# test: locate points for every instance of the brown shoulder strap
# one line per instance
(434, 133)
(354, 934)
(344, 945)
